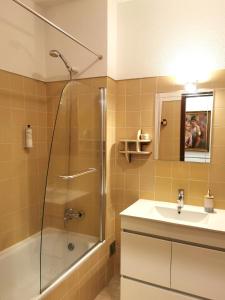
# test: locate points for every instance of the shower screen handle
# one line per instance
(84, 172)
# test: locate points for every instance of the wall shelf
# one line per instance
(133, 146)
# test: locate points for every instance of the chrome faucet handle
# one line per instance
(70, 214)
(180, 200)
(68, 210)
(180, 194)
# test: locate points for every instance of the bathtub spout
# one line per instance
(71, 214)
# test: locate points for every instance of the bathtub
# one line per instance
(20, 264)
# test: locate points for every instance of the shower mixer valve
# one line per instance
(70, 214)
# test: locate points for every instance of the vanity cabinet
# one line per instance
(170, 256)
(199, 271)
(146, 258)
(160, 268)
(133, 290)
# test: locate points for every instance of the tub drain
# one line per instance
(71, 246)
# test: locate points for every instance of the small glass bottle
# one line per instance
(209, 202)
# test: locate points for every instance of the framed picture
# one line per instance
(197, 131)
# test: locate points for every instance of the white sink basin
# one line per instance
(166, 212)
(159, 218)
(185, 215)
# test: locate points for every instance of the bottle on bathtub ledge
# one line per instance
(209, 202)
(28, 137)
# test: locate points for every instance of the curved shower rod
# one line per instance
(99, 56)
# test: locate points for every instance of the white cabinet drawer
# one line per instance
(146, 258)
(132, 290)
(198, 271)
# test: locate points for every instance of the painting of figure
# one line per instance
(197, 131)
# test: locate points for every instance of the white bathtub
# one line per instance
(20, 264)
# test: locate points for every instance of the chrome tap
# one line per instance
(180, 200)
(70, 214)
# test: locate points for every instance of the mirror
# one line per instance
(183, 126)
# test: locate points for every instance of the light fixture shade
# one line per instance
(190, 87)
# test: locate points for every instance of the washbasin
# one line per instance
(162, 211)
(170, 213)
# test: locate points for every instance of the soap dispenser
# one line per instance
(208, 202)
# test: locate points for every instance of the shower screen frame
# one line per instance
(103, 97)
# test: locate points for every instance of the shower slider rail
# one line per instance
(26, 7)
(84, 172)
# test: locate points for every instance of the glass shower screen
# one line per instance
(74, 200)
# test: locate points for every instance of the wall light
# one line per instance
(191, 87)
(191, 64)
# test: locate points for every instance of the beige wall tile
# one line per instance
(130, 196)
(217, 172)
(148, 85)
(132, 103)
(219, 98)
(197, 190)
(133, 119)
(5, 98)
(218, 117)
(146, 118)
(147, 195)
(30, 86)
(120, 102)
(218, 136)
(121, 87)
(118, 181)
(218, 154)
(17, 99)
(163, 189)
(120, 119)
(133, 86)
(199, 171)
(147, 184)
(163, 168)
(180, 170)
(147, 102)
(132, 181)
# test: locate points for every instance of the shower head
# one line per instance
(55, 54)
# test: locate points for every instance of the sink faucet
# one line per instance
(180, 200)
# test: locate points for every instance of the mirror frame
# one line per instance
(176, 95)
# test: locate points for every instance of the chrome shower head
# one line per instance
(56, 53)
